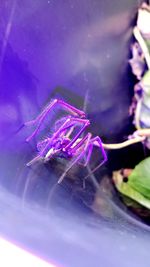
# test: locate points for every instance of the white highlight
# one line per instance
(11, 255)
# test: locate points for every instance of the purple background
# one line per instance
(63, 48)
(78, 45)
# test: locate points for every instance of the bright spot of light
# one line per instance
(11, 255)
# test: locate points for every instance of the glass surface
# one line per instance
(76, 50)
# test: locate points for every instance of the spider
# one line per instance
(62, 143)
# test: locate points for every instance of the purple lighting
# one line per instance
(62, 143)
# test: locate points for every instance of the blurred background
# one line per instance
(76, 50)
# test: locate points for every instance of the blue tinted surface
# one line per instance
(63, 48)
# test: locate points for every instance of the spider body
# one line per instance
(68, 140)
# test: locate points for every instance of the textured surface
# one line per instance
(63, 48)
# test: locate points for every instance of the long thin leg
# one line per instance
(85, 139)
(48, 143)
(97, 142)
(88, 155)
(90, 148)
(68, 124)
(87, 158)
(35, 159)
(80, 143)
(64, 127)
(86, 124)
(74, 111)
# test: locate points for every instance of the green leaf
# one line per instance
(130, 192)
(139, 179)
(147, 41)
(136, 207)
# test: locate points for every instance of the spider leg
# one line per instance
(59, 132)
(97, 142)
(90, 147)
(86, 123)
(74, 111)
(88, 155)
(35, 159)
(67, 134)
(62, 132)
(40, 118)
(85, 140)
(70, 124)
(81, 142)
(67, 125)
(40, 147)
(87, 158)
(47, 143)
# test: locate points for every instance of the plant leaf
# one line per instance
(139, 179)
(130, 192)
(136, 207)
(147, 41)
